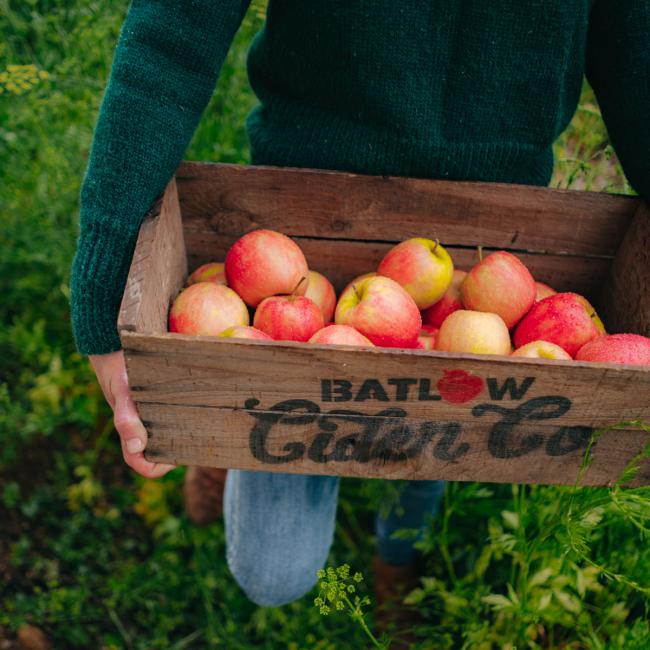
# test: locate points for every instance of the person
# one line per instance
(454, 89)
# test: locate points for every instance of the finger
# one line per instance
(145, 468)
(129, 426)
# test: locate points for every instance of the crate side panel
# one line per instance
(217, 373)
(158, 269)
(393, 447)
(230, 200)
(625, 302)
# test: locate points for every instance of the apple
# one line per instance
(206, 309)
(566, 319)
(449, 303)
(340, 335)
(382, 311)
(543, 291)
(210, 272)
(427, 337)
(499, 284)
(357, 280)
(288, 318)
(265, 263)
(321, 291)
(541, 350)
(617, 348)
(245, 332)
(422, 267)
(477, 332)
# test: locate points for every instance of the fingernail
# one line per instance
(134, 445)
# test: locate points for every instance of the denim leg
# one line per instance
(279, 529)
(418, 500)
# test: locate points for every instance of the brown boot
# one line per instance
(392, 583)
(203, 493)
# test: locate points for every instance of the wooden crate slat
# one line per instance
(232, 199)
(626, 295)
(341, 261)
(211, 372)
(398, 449)
(158, 268)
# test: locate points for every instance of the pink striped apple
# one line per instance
(207, 309)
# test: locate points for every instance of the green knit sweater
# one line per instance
(457, 89)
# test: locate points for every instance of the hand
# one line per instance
(111, 374)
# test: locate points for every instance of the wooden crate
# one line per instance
(293, 407)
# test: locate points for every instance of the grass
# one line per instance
(100, 558)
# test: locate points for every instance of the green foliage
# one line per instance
(100, 558)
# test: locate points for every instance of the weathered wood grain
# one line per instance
(204, 371)
(626, 296)
(340, 261)
(232, 199)
(396, 448)
(158, 268)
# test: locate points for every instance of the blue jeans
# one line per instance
(279, 529)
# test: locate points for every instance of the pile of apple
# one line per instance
(415, 299)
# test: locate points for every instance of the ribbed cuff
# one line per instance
(99, 272)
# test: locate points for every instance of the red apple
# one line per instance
(321, 291)
(499, 284)
(288, 318)
(244, 332)
(427, 338)
(210, 272)
(206, 309)
(566, 319)
(265, 263)
(340, 335)
(543, 291)
(422, 267)
(541, 350)
(476, 332)
(449, 303)
(382, 311)
(617, 348)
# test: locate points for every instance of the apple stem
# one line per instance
(436, 246)
(302, 279)
(480, 253)
(354, 287)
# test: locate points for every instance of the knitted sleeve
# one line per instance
(618, 68)
(164, 71)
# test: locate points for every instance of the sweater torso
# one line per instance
(460, 89)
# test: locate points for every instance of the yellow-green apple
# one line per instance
(477, 332)
(341, 335)
(245, 332)
(265, 263)
(541, 350)
(499, 284)
(357, 280)
(427, 337)
(288, 318)
(321, 291)
(422, 266)
(206, 308)
(566, 319)
(449, 303)
(382, 311)
(617, 348)
(543, 291)
(210, 272)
